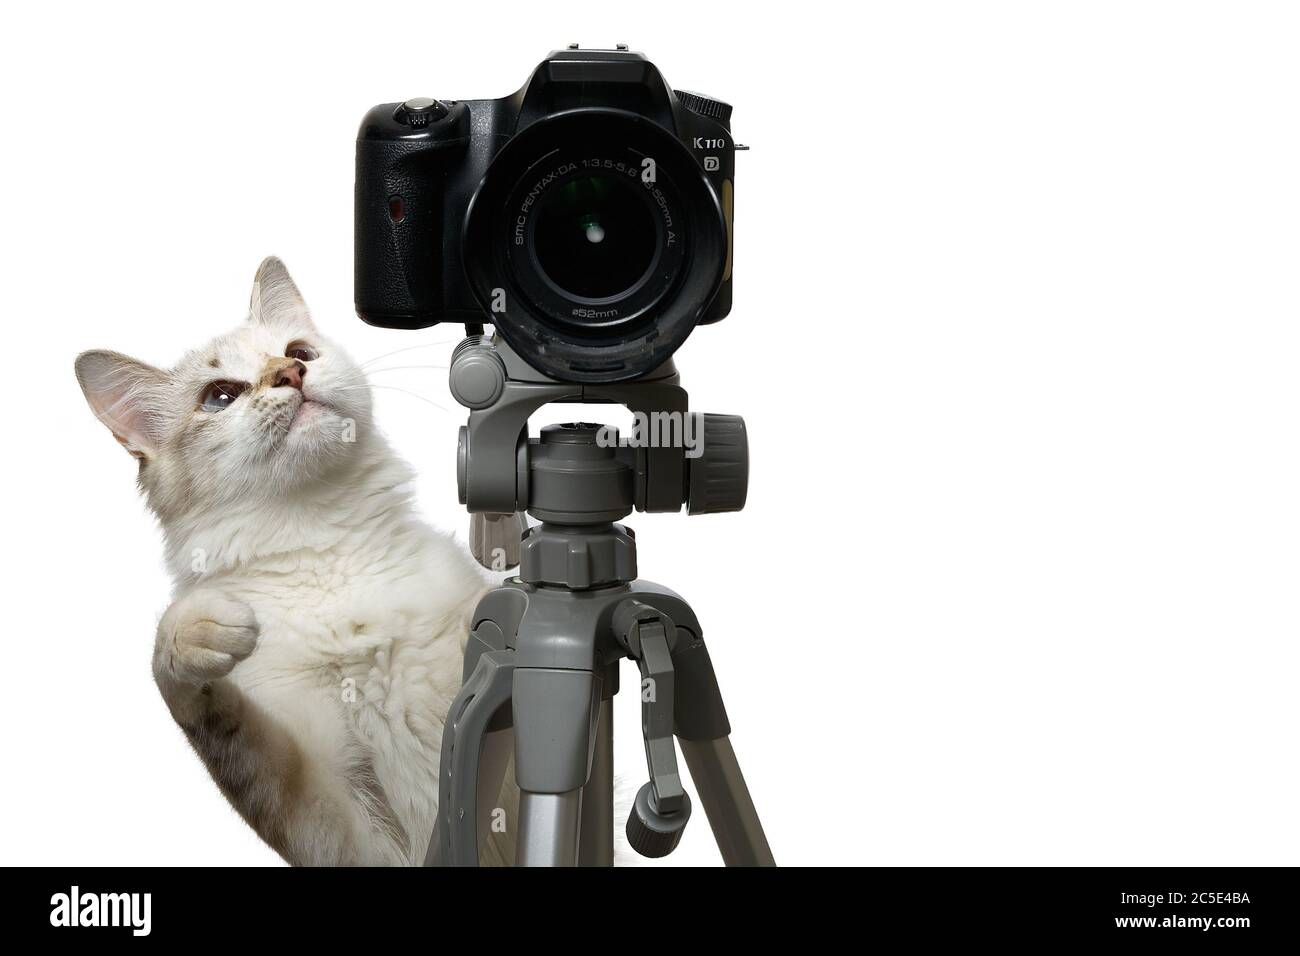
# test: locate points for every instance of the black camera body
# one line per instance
(587, 217)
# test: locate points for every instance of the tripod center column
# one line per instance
(579, 483)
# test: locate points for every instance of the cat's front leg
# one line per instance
(201, 638)
(300, 804)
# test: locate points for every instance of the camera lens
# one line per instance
(595, 237)
(592, 246)
(594, 243)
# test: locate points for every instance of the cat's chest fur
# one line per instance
(360, 650)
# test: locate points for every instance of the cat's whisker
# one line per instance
(399, 368)
(409, 348)
(395, 388)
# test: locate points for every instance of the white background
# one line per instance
(1016, 335)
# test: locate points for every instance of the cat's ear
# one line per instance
(127, 396)
(276, 300)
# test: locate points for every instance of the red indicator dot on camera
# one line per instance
(396, 211)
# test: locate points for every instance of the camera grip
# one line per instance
(399, 232)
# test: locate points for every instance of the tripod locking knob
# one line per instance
(652, 833)
(719, 476)
(478, 376)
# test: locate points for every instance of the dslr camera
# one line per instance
(587, 217)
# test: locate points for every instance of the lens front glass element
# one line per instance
(596, 237)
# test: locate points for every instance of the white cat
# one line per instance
(316, 633)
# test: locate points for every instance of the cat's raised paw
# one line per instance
(202, 637)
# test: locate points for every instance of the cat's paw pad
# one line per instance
(203, 636)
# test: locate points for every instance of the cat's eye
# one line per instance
(301, 351)
(221, 395)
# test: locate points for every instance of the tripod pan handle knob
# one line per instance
(652, 833)
(494, 539)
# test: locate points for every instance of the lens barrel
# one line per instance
(595, 243)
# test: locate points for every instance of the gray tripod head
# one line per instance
(673, 456)
(578, 480)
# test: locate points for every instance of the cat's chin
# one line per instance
(317, 423)
(310, 413)
(320, 435)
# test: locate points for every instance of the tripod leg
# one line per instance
(548, 828)
(493, 848)
(703, 733)
(555, 714)
(495, 835)
(596, 846)
(727, 803)
(455, 836)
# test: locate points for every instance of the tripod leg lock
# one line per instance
(649, 635)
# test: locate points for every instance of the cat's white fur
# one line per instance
(316, 633)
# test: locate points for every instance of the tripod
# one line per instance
(541, 664)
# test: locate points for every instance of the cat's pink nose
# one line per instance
(291, 376)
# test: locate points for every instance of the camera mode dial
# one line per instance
(705, 106)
